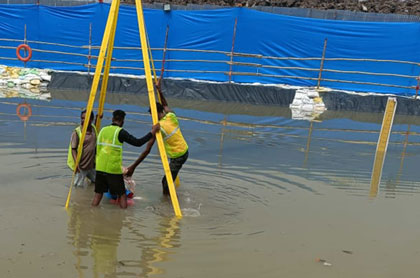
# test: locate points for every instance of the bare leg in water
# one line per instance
(97, 199)
(123, 201)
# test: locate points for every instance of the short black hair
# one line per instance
(91, 114)
(118, 115)
(159, 108)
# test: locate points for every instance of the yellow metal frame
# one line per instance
(107, 47)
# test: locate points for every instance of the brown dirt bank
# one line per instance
(407, 7)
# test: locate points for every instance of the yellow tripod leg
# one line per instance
(105, 40)
(152, 101)
(107, 68)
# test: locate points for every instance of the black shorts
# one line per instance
(114, 183)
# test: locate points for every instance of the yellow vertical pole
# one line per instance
(94, 88)
(382, 145)
(152, 101)
(105, 76)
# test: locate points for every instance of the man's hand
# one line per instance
(155, 129)
(130, 171)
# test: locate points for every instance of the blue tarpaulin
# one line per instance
(269, 38)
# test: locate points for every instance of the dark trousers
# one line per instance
(175, 164)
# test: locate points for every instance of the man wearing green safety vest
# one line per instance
(109, 175)
(86, 166)
(175, 145)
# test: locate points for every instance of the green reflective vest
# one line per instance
(109, 150)
(175, 144)
(70, 160)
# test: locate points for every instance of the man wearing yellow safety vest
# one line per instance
(109, 175)
(175, 145)
(86, 166)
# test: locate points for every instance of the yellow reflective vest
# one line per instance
(109, 150)
(70, 160)
(175, 144)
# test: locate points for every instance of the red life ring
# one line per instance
(27, 111)
(27, 48)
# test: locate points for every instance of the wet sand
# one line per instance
(260, 198)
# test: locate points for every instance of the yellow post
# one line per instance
(382, 145)
(105, 76)
(105, 40)
(152, 102)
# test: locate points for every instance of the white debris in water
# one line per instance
(307, 104)
(24, 82)
(190, 212)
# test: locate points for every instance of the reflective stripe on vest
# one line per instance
(70, 160)
(109, 150)
(175, 144)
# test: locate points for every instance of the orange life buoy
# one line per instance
(27, 111)
(27, 48)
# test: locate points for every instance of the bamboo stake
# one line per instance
(162, 70)
(25, 42)
(90, 48)
(322, 63)
(233, 46)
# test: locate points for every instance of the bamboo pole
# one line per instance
(322, 63)
(90, 48)
(25, 42)
(152, 101)
(233, 46)
(105, 40)
(162, 70)
(417, 87)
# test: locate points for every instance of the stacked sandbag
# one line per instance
(24, 82)
(307, 104)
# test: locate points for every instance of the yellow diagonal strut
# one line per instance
(382, 145)
(152, 101)
(109, 31)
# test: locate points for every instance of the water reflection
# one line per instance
(98, 235)
(339, 149)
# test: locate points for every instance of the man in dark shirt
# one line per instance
(109, 175)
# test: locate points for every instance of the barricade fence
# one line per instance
(230, 66)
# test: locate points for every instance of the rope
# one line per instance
(59, 62)
(60, 52)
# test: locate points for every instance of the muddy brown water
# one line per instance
(262, 195)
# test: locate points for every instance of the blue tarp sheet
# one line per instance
(260, 33)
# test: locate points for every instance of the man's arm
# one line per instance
(74, 145)
(124, 136)
(163, 100)
(132, 167)
(96, 118)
